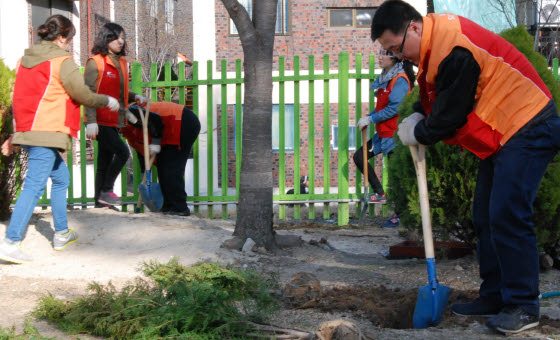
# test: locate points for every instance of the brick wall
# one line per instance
(309, 34)
(304, 149)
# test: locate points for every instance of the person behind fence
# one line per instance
(395, 81)
(303, 188)
(173, 129)
(478, 91)
(48, 91)
(107, 73)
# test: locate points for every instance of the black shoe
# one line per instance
(513, 319)
(478, 307)
(178, 213)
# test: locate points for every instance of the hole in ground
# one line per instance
(394, 308)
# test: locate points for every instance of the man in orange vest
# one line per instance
(172, 130)
(478, 91)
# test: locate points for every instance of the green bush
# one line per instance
(452, 171)
(13, 167)
(206, 301)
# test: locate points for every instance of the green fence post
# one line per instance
(311, 133)
(358, 174)
(343, 128)
(181, 89)
(196, 152)
(83, 162)
(297, 162)
(167, 69)
(224, 143)
(209, 137)
(282, 136)
(326, 135)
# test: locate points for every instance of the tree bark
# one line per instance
(254, 210)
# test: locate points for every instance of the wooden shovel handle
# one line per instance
(419, 158)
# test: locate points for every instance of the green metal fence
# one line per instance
(217, 193)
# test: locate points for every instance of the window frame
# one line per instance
(354, 17)
(288, 10)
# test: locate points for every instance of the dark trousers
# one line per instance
(502, 214)
(112, 154)
(171, 163)
(372, 177)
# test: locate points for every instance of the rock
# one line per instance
(459, 268)
(261, 250)
(248, 246)
(340, 330)
(302, 291)
(235, 243)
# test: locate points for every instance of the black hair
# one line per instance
(109, 32)
(407, 66)
(55, 26)
(393, 15)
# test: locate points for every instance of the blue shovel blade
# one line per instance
(430, 305)
(151, 195)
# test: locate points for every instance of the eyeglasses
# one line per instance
(404, 38)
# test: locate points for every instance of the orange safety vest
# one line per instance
(509, 91)
(171, 115)
(109, 83)
(40, 102)
(387, 128)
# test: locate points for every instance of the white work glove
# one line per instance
(92, 129)
(154, 149)
(113, 104)
(363, 123)
(8, 147)
(131, 117)
(141, 100)
(406, 128)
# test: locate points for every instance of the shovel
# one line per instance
(150, 193)
(433, 297)
(364, 199)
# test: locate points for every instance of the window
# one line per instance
(169, 15)
(152, 7)
(42, 9)
(288, 127)
(282, 16)
(351, 137)
(350, 17)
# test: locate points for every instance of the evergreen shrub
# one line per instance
(13, 167)
(205, 301)
(452, 171)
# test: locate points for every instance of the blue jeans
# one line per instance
(42, 164)
(502, 214)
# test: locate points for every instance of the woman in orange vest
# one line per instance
(394, 82)
(47, 93)
(107, 72)
(173, 129)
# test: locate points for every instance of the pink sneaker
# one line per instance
(109, 197)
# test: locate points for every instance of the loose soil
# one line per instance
(359, 283)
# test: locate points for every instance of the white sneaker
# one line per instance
(13, 253)
(61, 241)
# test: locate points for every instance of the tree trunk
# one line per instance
(254, 211)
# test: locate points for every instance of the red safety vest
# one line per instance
(109, 83)
(40, 102)
(171, 115)
(509, 92)
(386, 129)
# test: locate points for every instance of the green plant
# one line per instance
(205, 301)
(12, 167)
(29, 333)
(451, 173)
